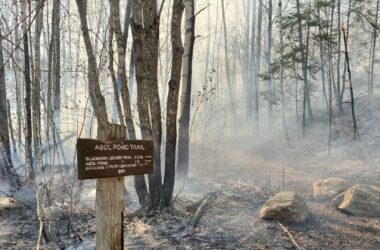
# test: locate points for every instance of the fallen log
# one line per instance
(204, 204)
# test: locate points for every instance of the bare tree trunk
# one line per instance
(122, 71)
(355, 126)
(109, 219)
(246, 66)
(227, 64)
(28, 106)
(304, 67)
(137, 27)
(172, 102)
(5, 150)
(321, 54)
(36, 91)
(96, 96)
(184, 113)
(121, 39)
(258, 66)
(373, 56)
(151, 25)
(269, 84)
(338, 83)
(56, 40)
(283, 109)
(113, 76)
(207, 68)
(250, 89)
(15, 61)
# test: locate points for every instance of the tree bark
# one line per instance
(338, 83)
(373, 55)
(355, 126)
(283, 109)
(137, 28)
(113, 76)
(269, 84)
(227, 63)
(56, 40)
(306, 94)
(122, 71)
(5, 150)
(36, 91)
(184, 113)
(172, 102)
(109, 213)
(258, 66)
(28, 106)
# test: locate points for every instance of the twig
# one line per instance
(289, 235)
(40, 234)
(160, 243)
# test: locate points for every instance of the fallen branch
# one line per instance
(205, 202)
(289, 235)
(22, 203)
(159, 243)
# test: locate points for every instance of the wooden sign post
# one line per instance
(109, 161)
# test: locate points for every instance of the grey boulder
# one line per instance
(285, 207)
(329, 188)
(362, 200)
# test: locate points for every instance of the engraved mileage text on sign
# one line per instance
(113, 158)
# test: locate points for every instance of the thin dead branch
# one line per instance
(204, 204)
(289, 235)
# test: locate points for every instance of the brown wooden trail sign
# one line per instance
(113, 158)
(108, 160)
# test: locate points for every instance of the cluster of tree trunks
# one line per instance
(144, 23)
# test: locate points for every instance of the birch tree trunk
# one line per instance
(172, 102)
(184, 114)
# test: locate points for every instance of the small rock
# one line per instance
(363, 200)
(329, 188)
(285, 206)
(9, 204)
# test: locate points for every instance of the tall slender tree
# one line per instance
(28, 84)
(6, 167)
(172, 102)
(185, 100)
